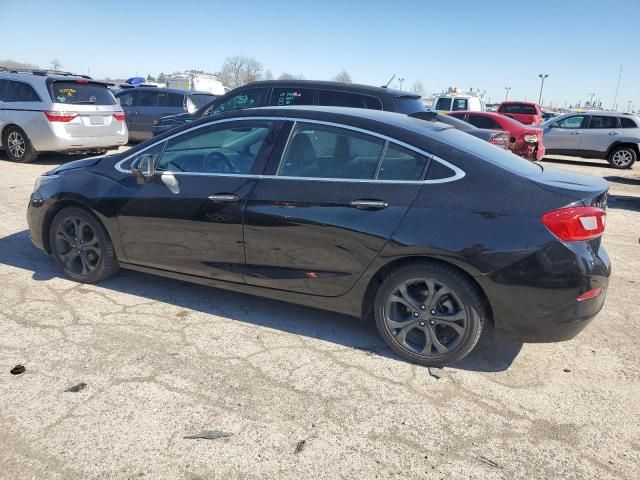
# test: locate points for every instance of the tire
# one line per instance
(81, 246)
(622, 157)
(408, 330)
(18, 146)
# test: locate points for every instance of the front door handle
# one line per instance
(224, 198)
(614, 133)
(369, 204)
(576, 133)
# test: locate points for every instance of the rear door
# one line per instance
(600, 133)
(565, 135)
(326, 207)
(128, 100)
(151, 106)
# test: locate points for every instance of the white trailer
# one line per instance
(197, 81)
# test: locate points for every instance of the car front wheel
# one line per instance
(81, 246)
(622, 157)
(429, 313)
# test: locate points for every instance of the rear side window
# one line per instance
(332, 98)
(20, 92)
(148, 98)
(401, 164)
(199, 100)
(282, 97)
(603, 122)
(127, 99)
(518, 109)
(625, 122)
(322, 151)
(3, 89)
(481, 121)
(460, 104)
(246, 99)
(74, 93)
(443, 104)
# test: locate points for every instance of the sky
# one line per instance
(486, 45)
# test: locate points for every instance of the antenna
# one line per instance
(615, 97)
(390, 80)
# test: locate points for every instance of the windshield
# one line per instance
(443, 104)
(201, 99)
(78, 93)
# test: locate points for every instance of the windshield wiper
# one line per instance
(92, 102)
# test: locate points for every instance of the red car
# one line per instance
(524, 140)
(527, 113)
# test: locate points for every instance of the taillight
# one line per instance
(60, 116)
(119, 116)
(531, 138)
(574, 224)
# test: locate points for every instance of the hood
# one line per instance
(83, 163)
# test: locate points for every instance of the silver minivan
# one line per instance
(43, 111)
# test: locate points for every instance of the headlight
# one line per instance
(531, 138)
(43, 181)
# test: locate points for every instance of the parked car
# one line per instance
(493, 136)
(524, 140)
(548, 115)
(527, 113)
(47, 111)
(362, 212)
(300, 92)
(144, 105)
(458, 101)
(612, 136)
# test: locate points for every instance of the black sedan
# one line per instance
(432, 232)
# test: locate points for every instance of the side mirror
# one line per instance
(143, 168)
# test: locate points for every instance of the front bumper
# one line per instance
(36, 215)
(535, 299)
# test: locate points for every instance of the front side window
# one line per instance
(571, 122)
(81, 92)
(229, 147)
(3, 90)
(401, 164)
(460, 104)
(443, 104)
(332, 98)
(246, 99)
(282, 97)
(148, 98)
(21, 92)
(603, 122)
(322, 151)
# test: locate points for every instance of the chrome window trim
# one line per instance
(458, 172)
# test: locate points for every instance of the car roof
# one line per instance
(334, 86)
(166, 90)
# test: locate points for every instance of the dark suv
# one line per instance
(143, 106)
(281, 93)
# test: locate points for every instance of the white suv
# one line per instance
(43, 111)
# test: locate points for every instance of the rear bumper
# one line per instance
(53, 137)
(535, 300)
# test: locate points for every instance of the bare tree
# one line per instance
(16, 65)
(343, 77)
(237, 71)
(418, 88)
(55, 64)
(268, 75)
(290, 76)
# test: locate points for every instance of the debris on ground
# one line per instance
(368, 350)
(77, 388)
(489, 462)
(299, 446)
(566, 370)
(436, 372)
(18, 370)
(210, 435)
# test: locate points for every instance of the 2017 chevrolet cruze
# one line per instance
(434, 233)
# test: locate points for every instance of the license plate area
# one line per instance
(96, 120)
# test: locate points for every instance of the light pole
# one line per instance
(401, 80)
(629, 106)
(506, 97)
(542, 77)
(591, 95)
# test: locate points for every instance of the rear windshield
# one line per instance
(200, 99)
(74, 93)
(409, 105)
(518, 108)
(443, 104)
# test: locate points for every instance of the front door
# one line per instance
(565, 135)
(188, 217)
(326, 207)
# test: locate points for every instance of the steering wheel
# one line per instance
(217, 162)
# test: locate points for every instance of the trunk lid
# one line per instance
(588, 189)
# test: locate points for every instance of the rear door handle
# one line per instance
(614, 133)
(369, 204)
(576, 133)
(224, 198)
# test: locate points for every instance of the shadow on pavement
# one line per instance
(623, 202)
(623, 180)
(49, 158)
(17, 251)
(585, 163)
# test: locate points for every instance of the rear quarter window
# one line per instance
(20, 92)
(625, 122)
(74, 93)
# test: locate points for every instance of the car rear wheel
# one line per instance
(18, 146)
(622, 157)
(81, 246)
(429, 313)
